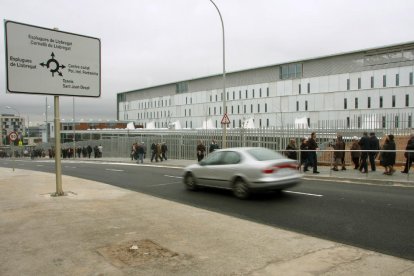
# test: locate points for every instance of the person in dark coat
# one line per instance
(374, 147)
(313, 147)
(409, 154)
(355, 152)
(364, 144)
(339, 153)
(303, 152)
(291, 150)
(388, 155)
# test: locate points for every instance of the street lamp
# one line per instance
(224, 77)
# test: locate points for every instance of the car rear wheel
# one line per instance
(240, 189)
(190, 182)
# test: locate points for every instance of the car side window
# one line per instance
(214, 158)
(231, 157)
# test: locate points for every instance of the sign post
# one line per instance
(51, 62)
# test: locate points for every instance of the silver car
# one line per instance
(243, 170)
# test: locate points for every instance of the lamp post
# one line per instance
(224, 77)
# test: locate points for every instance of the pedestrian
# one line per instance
(141, 152)
(312, 147)
(387, 158)
(201, 149)
(153, 151)
(291, 150)
(100, 151)
(355, 152)
(164, 150)
(304, 152)
(158, 153)
(339, 153)
(374, 148)
(89, 150)
(409, 154)
(133, 151)
(213, 146)
(364, 144)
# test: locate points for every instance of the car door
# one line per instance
(207, 174)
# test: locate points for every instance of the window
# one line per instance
(308, 87)
(300, 88)
(244, 109)
(381, 102)
(239, 94)
(306, 105)
(369, 102)
(227, 95)
(211, 98)
(181, 87)
(260, 92)
(267, 122)
(267, 91)
(410, 121)
(348, 122)
(372, 81)
(345, 104)
(215, 111)
(246, 94)
(251, 108)
(393, 100)
(407, 100)
(348, 84)
(396, 121)
(232, 111)
(209, 111)
(186, 100)
(359, 122)
(253, 93)
(411, 78)
(384, 121)
(216, 97)
(356, 103)
(290, 71)
(384, 81)
(397, 79)
(238, 109)
(297, 105)
(359, 83)
(266, 107)
(234, 95)
(258, 108)
(260, 122)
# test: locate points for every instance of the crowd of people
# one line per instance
(363, 151)
(158, 152)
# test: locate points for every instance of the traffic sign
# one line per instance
(13, 136)
(52, 62)
(225, 119)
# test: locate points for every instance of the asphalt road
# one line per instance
(374, 217)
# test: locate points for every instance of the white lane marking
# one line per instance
(164, 184)
(114, 170)
(292, 192)
(70, 167)
(40, 165)
(173, 176)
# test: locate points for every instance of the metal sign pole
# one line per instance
(58, 166)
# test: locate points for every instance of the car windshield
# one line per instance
(263, 154)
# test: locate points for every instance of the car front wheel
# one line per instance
(240, 189)
(190, 182)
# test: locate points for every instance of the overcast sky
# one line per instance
(152, 42)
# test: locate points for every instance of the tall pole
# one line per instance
(74, 130)
(47, 127)
(58, 167)
(224, 78)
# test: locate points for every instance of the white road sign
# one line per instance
(52, 62)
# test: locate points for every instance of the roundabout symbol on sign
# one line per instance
(13, 136)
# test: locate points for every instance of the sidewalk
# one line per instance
(99, 229)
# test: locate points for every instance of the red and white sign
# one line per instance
(13, 136)
(225, 119)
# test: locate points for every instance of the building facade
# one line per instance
(11, 123)
(372, 88)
